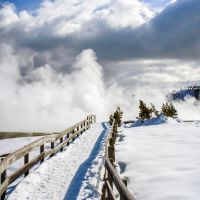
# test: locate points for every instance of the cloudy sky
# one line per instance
(63, 59)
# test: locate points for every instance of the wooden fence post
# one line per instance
(3, 177)
(85, 125)
(26, 160)
(115, 128)
(52, 147)
(61, 141)
(41, 151)
(78, 130)
(82, 125)
(67, 138)
(88, 122)
(114, 137)
(106, 186)
(111, 152)
(73, 131)
(111, 142)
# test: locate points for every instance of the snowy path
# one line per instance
(73, 174)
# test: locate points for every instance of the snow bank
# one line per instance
(154, 121)
(161, 162)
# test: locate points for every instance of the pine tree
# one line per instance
(145, 112)
(169, 110)
(118, 116)
(172, 111)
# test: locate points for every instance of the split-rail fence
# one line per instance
(111, 177)
(57, 142)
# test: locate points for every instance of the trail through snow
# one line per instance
(75, 173)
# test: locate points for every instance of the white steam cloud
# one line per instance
(189, 109)
(45, 100)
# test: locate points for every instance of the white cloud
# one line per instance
(124, 13)
(64, 17)
(8, 15)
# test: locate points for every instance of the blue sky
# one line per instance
(24, 4)
(32, 4)
(156, 3)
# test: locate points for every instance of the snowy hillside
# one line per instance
(161, 161)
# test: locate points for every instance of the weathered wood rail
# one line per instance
(111, 176)
(57, 142)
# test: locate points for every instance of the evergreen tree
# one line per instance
(172, 111)
(169, 110)
(145, 112)
(118, 116)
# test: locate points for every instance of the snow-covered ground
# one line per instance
(11, 145)
(76, 173)
(161, 161)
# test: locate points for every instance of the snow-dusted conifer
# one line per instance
(118, 116)
(169, 110)
(145, 112)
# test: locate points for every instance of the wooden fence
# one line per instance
(61, 139)
(111, 176)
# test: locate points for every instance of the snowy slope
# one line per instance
(162, 162)
(73, 174)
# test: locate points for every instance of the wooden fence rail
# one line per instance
(57, 141)
(111, 176)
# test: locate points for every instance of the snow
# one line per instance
(11, 145)
(153, 121)
(160, 158)
(76, 173)
(161, 161)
